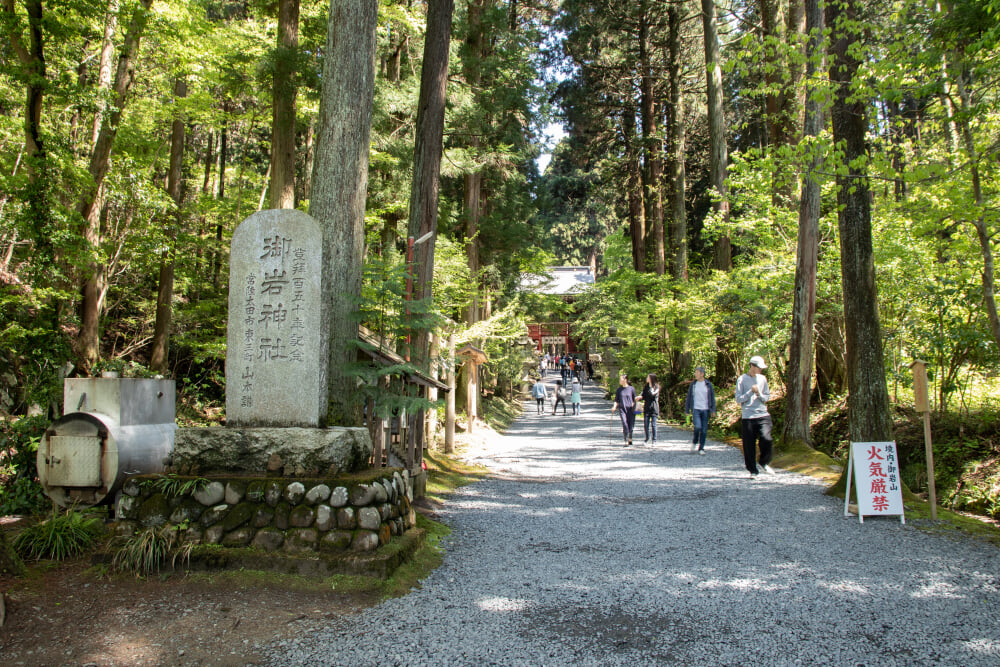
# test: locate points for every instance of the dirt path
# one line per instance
(69, 616)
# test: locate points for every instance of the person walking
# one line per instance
(625, 405)
(590, 369)
(574, 395)
(539, 393)
(560, 393)
(650, 406)
(700, 404)
(752, 394)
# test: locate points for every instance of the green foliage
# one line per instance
(61, 536)
(145, 552)
(172, 486)
(20, 492)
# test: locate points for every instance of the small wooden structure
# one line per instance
(474, 358)
(404, 433)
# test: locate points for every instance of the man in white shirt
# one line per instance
(752, 394)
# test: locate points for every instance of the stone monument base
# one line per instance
(289, 452)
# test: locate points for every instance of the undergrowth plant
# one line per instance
(172, 486)
(59, 537)
(146, 551)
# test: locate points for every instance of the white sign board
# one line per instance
(875, 468)
(553, 340)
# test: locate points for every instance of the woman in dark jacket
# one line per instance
(650, 406)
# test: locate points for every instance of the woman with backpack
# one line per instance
(560, 394)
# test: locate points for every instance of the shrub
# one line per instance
(20, 492)
(59, 537)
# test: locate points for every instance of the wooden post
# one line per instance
(471, 395)
(922, 405)
(449, 410)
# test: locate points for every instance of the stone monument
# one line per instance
(274, 372)
(276, 380)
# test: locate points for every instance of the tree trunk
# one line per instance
(676, 139)
(165, 293)
(92, 280)
(449, 404)
(305, 181)
(283, 107)
(104, 69)
(340, 183)
(718, 152)
(652, 147)
(34, 77)
(800, 362)
(427, 156)
(472, 200)
(475, 43)
(223, 160)
(633, 187)
(868, 396)
(979, 223)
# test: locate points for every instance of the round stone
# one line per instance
(211, 494)
(294, 493)
(338, 497)
(318, 494)
(369, 518)
(269, 539)
(324, 518)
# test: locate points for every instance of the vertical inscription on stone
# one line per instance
(275, 364)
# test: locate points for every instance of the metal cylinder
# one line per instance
(85, 456)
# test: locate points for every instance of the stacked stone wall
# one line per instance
(272, 514)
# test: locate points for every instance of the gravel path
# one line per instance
(582, 553)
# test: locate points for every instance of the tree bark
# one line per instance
(104, 69)
(633, 186)
(93, 279)
(800, 361)
(868, 396)
(652, 146)
(475, 45)
(307, 169)
(340, 183)
(165, 293)
(427, 156)
(718, 152)
(979, 222)
(34, 78)
(676, 139)
(283, 107)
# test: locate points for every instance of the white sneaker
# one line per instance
(694, 448)
(701, 452)
(768, 469)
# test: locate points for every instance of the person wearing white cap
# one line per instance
(752, 394)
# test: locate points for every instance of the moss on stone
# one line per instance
(255, 491)
(263, 517)
(302, 516)
(281, 516)
(154, 511)
(188, 509)
(239, 515)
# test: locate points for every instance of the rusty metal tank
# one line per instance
(111, 428)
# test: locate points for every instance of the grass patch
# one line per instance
(500, 413)
(59, 537)
(445, 474)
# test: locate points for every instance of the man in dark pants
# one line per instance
(752, 394)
